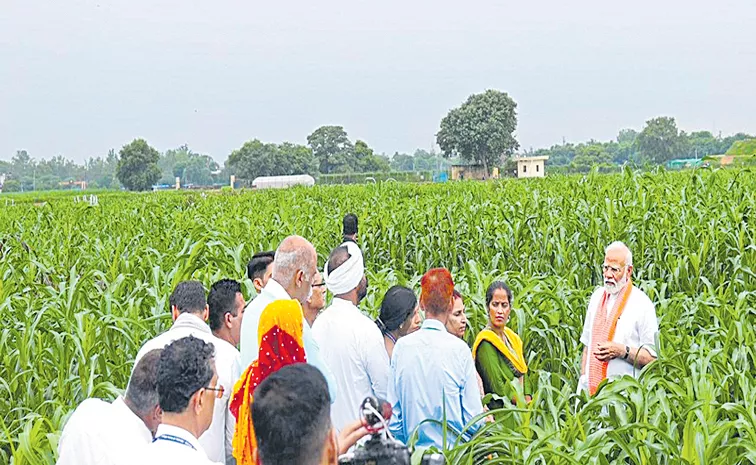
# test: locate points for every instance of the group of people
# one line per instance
(280, 379)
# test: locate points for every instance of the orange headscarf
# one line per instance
(281, 344)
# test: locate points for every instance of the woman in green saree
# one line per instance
(498, 350)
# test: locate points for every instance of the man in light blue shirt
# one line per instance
(433, 373)
(294, 266)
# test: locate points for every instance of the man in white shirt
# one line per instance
(188, 387)
(101, 433)
(351, 343)
(620, 325)
(294, 267)
(190, 311)
(225, 303)
(260, 268)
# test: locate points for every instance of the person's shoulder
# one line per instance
(597, 293)
(224, 348)
(457, 343)
(92, 405)
(642, 299)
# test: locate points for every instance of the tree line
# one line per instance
(481, 131)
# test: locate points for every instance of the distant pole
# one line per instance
(178, 183)
(233, 181)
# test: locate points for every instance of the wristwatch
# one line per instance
(627, 352)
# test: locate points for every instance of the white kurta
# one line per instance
(175, 446)
(99, 433)
(352, 347)
(636, 327)
(217, 440)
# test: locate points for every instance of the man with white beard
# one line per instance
(620, 325)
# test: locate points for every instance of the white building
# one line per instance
(268, 182)
(531, 167)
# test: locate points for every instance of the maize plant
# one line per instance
(83, 286)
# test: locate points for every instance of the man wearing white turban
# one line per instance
(350, 343)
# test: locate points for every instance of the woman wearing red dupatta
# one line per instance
(281, 344)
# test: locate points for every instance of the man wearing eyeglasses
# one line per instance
(190, 310)
(188, 387)
(316, 302)
(620, 325)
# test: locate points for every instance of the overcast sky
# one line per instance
(78, 77)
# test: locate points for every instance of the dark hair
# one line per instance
(142, 388)
(437, 291)
(222, 299)
(496, 285)
(189, 297)
(456, 294)
(292, 416)
(185, 367)
(398, 304)
(338, 257)
(259, 263)
(350, 224)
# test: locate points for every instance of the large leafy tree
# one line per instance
(661, 141)
(590, 155)
(256, 158)
(138, 166)
(332, 148)
(481, 129)
(367, 161)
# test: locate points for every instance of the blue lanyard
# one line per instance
(176, 439)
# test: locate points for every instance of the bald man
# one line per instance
(620, 325)
(294, 267)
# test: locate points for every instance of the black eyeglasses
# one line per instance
(220, 390)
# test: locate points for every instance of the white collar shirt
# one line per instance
(249, 343)
(218, 439)
(352, 346)
(100, 433)
(636, 327)
(174, 445)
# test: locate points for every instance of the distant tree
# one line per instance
(402, 162)
(256, 158)
(743, 147)
(660, 141)
(332, 148)
(12, 185)
(138, 166)
(627, 135)
(590, 155)
(367, 161)
(481, 129)
(726, 143)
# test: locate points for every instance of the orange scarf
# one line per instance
(281, 344)
(603, 331)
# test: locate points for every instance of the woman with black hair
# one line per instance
(399, 315)
(498, 351)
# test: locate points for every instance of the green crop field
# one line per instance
(82, 287)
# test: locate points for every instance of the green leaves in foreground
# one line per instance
(81, 288)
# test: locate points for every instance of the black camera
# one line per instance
(381, 448)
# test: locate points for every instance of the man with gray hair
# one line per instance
(620, 325)
(294, 267)
(99, 432)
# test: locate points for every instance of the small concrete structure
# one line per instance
(531, 167)
(466, 172)
(273, 182)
